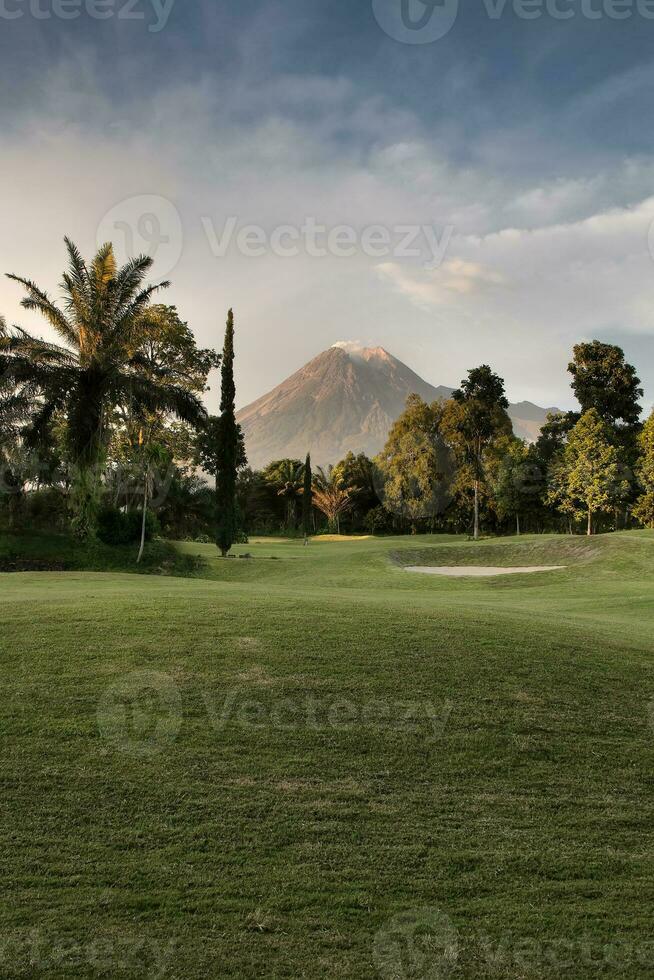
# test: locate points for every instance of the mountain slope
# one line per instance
(344, 399)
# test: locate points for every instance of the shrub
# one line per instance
(644, 510)
(378, 521)
(116, 528)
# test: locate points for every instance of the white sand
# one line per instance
(478, 571)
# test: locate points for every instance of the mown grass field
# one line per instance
(315, 764)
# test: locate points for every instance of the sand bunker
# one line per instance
(478, 571)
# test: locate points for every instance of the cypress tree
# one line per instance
(307, 497)
(227, 449)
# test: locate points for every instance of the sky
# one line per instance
(460, 183)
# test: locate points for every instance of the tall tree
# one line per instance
(333, 502)
(229, 444)
(286, 477)
(603, 380)
(512, 485)
(95, 370)
(587, 478)
(415, 466)
(307, 497)
(167, 353)
(478, 419)
(644, 509)
(360, 476)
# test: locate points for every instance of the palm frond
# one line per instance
(159, 397)
(38, 299)
(127, 316)
(103, 267)
(77, 271)
(23, 344)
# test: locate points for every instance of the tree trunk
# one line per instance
(476, 526)
(590, 522)
(517, 524)
(145, 514)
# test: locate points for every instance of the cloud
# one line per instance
(433, 287)
(533, 264)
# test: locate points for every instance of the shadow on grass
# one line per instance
(34, 552)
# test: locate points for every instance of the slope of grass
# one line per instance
(310, 763)
(60, 552)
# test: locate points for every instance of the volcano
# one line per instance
(346, 398)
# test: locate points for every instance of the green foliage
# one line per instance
(644, 508)
(475, 419)
(117, 528)
(103, 327)
(166, 354)
(286, 477)
(512, 485)
(602, 380)
(416, 465)
(378, 521)
(229, 447)
(307, 497)
(587, 477)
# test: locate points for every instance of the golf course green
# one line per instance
(308, 763)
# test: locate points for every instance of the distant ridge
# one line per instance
(345, 399)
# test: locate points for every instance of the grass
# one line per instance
(312, 764)
(43, 552)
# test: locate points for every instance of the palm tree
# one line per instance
(332, 501)
(326, 478)
(15, 407)
(102, 326)
(288, 476)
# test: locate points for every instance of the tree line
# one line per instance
(455, 465)
(105, 434)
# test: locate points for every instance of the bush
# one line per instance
(378, 521)
(116, 528)
(644, 510)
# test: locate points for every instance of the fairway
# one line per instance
(308, 763)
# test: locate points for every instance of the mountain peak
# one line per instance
(356, 349)
(345, 398)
